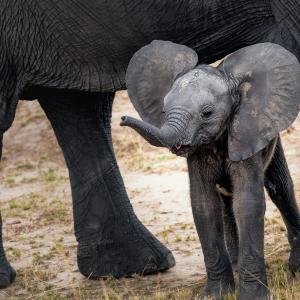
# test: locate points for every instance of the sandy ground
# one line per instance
(36, 206)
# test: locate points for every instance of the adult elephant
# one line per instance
(72, 56)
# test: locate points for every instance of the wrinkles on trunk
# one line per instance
(159, 137)
(178, 118)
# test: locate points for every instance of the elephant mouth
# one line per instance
(182, 150)
(185, 150)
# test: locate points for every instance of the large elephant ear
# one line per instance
(268, 80)
(151, 73)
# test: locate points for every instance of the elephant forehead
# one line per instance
(199, 80)
(197, 85)
(189, 98)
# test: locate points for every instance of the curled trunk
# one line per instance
(163, 137)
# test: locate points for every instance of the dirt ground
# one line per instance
(38, 229)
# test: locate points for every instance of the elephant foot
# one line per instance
(123, 259)
(253, 291)
(294, 259)
(219, 289)
(7, 274)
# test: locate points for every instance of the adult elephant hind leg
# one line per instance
(7, 272)
(279, 185)
(111, 239)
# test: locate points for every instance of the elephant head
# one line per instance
(252, 95)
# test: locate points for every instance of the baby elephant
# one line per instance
(226, 121)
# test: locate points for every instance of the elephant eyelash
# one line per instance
(207, 112)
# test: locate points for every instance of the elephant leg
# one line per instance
(249, 208)
(207, 212)
(230, 231)
(279, 185)
(111, 239)
(7, 272)
(8, 105)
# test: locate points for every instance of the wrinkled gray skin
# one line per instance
(219, 119)
(72, 56)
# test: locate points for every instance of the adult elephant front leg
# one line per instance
(207, 212)
(7, 272)
(111, 240)
(249, 208)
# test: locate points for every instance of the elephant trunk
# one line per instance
(163, 137)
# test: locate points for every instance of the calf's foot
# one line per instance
(253, 284)
(253, 291)
(218, 289)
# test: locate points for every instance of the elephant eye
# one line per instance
(207, 112)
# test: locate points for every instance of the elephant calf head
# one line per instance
(252, 95)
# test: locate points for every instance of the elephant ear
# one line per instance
(151, 74)
(268, 80)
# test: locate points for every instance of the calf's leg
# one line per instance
(207, 212)
(249, 209)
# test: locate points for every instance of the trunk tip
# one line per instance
(125, 121)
